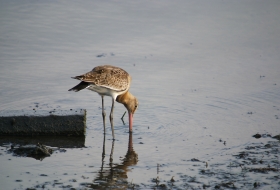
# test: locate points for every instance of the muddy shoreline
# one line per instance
(255, 166)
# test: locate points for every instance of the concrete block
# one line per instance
(42, 122)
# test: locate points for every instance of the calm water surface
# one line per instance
(204, 73)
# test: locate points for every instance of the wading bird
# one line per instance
(111, 81)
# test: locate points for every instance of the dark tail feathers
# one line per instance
(80, 86)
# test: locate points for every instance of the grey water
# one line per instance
(206, 75)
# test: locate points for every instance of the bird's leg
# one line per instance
(111, 155)
(103, 113)
(103, 153)
(111, 118)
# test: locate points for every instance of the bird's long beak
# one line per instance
(130, 116)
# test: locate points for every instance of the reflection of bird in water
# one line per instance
(115, 176)
(111, 81)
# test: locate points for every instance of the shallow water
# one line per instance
(206, 75)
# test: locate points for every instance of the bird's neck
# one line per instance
(124, 98)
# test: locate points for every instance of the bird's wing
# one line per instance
(107, 76)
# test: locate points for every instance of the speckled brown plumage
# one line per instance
(107, 76)
(111, 81)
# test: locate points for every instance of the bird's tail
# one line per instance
(80, 86)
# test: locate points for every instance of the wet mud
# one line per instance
(255, 166)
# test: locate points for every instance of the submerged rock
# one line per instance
(257, 136)
(39, 151)
(277, 137)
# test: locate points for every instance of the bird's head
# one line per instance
(131, 104)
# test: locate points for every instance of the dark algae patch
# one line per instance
(38, 151)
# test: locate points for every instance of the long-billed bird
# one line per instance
(111, 81)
